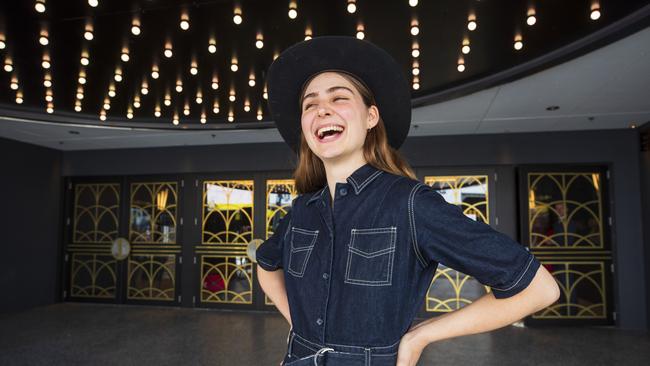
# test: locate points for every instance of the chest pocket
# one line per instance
(302, 244)
(371, 253)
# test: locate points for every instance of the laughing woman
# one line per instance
(350, 264)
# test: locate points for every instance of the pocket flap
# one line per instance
(375, 241)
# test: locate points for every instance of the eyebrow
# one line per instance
(330, 90)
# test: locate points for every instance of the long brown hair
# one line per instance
(310, 172)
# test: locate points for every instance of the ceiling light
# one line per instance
(247, 106)
(135, 26)
(145, 87)
(136, 101)
(232, 96)
(276, 54)
(461, 64)
(80, 92)
(84, 58)
(168, 49)
(46, 60)
(186, 110)
(215, 107)
(102, 115)
(233, 64)
(199, 97)
(40, 6)
(293, 11)
(360, 34)
(413, 3)
(415, 29)
(168, 100)
(231, 116)
(203, 119)
(194, 68)
(3, 45)
(14, 83)
(157, 111)
(155, 73)
(531, 19)
(595, 10)
(212, 46)
(93, 3)
(19, 97)
(125, 54)
(471, 22)
(185, 20)
(129, 113)
(175, 119)
(260, 116)
(259, 41)
(416, 82)
(251, 79)
(48, 95)
(415, 49)
(265, 94)
(77, 106)
(465, 49)
(9, 66)
(82, 77)
(43, 40)
(111, 90)
(352, 6)
(308, 35)
(50, 108)
(519, 44)
(416, 68)
(237, 18)
(47, 82)
(88, 32)
(118, 74)
(179, 86)
(107, 103)
(215, 82)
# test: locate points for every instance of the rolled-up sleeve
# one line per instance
(269, 253)
(442, 233)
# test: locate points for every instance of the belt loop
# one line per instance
(367, 353)
(321, 352)
(290, 342)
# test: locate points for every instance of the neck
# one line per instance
(338, 172)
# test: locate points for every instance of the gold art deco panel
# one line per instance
(152, 277)
(226, 279)
(565, 211)
(93, 276)
(279, 196)
(582, 287)
(450, 290)
(153, 213)
(96, 213)
(227, 212)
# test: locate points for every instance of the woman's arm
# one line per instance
(272, 283)
(485, 314)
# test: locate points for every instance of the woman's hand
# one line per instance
(410, 347)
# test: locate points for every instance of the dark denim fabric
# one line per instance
(356, 272)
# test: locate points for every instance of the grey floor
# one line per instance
(90, 334)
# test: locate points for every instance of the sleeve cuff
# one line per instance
(266, 265)
(521, 282)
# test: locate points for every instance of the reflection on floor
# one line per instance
(90, 334)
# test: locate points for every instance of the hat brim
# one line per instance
(374, 66)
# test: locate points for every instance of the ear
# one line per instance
(373, 116)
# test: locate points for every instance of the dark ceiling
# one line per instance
(443, 26)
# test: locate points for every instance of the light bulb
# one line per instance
(93, 3)
(40, 6)
(413, 3)
(352, 7)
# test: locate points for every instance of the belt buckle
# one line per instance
(321, 352)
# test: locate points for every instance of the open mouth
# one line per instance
(329, 133)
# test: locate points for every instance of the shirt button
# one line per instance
(319, 321)
(325, 276)
(343, 191)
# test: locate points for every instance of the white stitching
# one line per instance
(390, 251)
(520, 277)
(414, 235)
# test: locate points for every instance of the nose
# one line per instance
(323, 112)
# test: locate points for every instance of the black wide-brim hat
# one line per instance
(372, 65)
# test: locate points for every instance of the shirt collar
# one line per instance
(359, 180)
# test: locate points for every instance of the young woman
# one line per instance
(350, 264)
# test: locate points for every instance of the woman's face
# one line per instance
(331, 100)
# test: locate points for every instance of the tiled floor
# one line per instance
(89, 334)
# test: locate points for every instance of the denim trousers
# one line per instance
(302, 352)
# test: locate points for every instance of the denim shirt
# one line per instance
(357, 273)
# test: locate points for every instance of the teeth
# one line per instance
(322, 130)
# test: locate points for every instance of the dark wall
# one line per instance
(617, 149)
(31, 187)
(645, 199)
